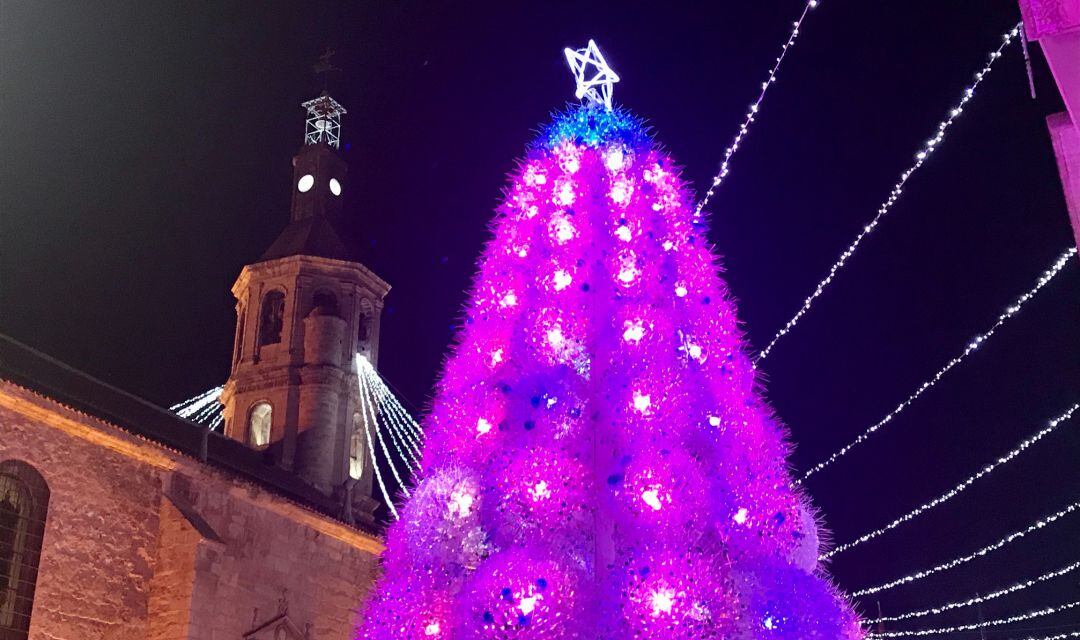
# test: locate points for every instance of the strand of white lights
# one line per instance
(386, 404)
(401, 443)
(366, 391)
(388, 423)
(751, 114)
(218, 420)
(196, 398)
(955, 562)
(371, 450)
(976, 600)
(1046, 611)
(193, 405)
(385, 394)
(971, 347)
(955, 491)
(207, 412)
(399, 410)
(928, 148)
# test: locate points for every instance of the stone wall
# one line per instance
(142, 542)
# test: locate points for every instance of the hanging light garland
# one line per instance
(1046, 611)
(952, 493)
(371, 448)
(971, 347)
(390, 410)
(927, 149)
(367, 400)
(197, 405)
(978, 599)
(751, 114)
(955, 562)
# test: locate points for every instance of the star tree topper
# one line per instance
(594, 85)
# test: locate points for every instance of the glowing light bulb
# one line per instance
(623, 233)
(432, 629)
(714, 421)
(662, 601)
(634, 331)
(532, 211)
(651, 497)
(680, 290)
(562, 280)
(461, 502)
(642, 402)
(566, 194)
(540, 491)
(496, 357)
(528, 605)
(508, 300)
(668, 245)
(483, 426)
(555, 337)
(614, 159)
(741, 515)
(564, 230)
(620, 192)
(694, 351)
(769, 623)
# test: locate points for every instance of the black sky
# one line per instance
(146, 158)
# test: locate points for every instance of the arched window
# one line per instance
(259, 422)
(326, 303)
(356, 448)
(363, 334)
(272, 318)
(24, 500)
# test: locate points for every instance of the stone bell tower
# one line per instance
(304, 312)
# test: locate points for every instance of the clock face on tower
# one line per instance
(305, 183)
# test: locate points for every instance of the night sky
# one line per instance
(146, 159)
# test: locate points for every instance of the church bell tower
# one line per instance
(305, 311)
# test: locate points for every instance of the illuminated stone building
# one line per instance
(120, 520)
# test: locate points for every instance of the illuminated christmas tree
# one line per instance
(598, 462)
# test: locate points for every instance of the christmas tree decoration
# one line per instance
(598, 461)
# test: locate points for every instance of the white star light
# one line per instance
(595, 86)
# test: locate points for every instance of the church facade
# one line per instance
(121, 520)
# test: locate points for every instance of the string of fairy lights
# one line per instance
(986, 624)
(949, 606)
(958, 489)
(928, 148)
(755, 107)
(964, 559)
(972, 346)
